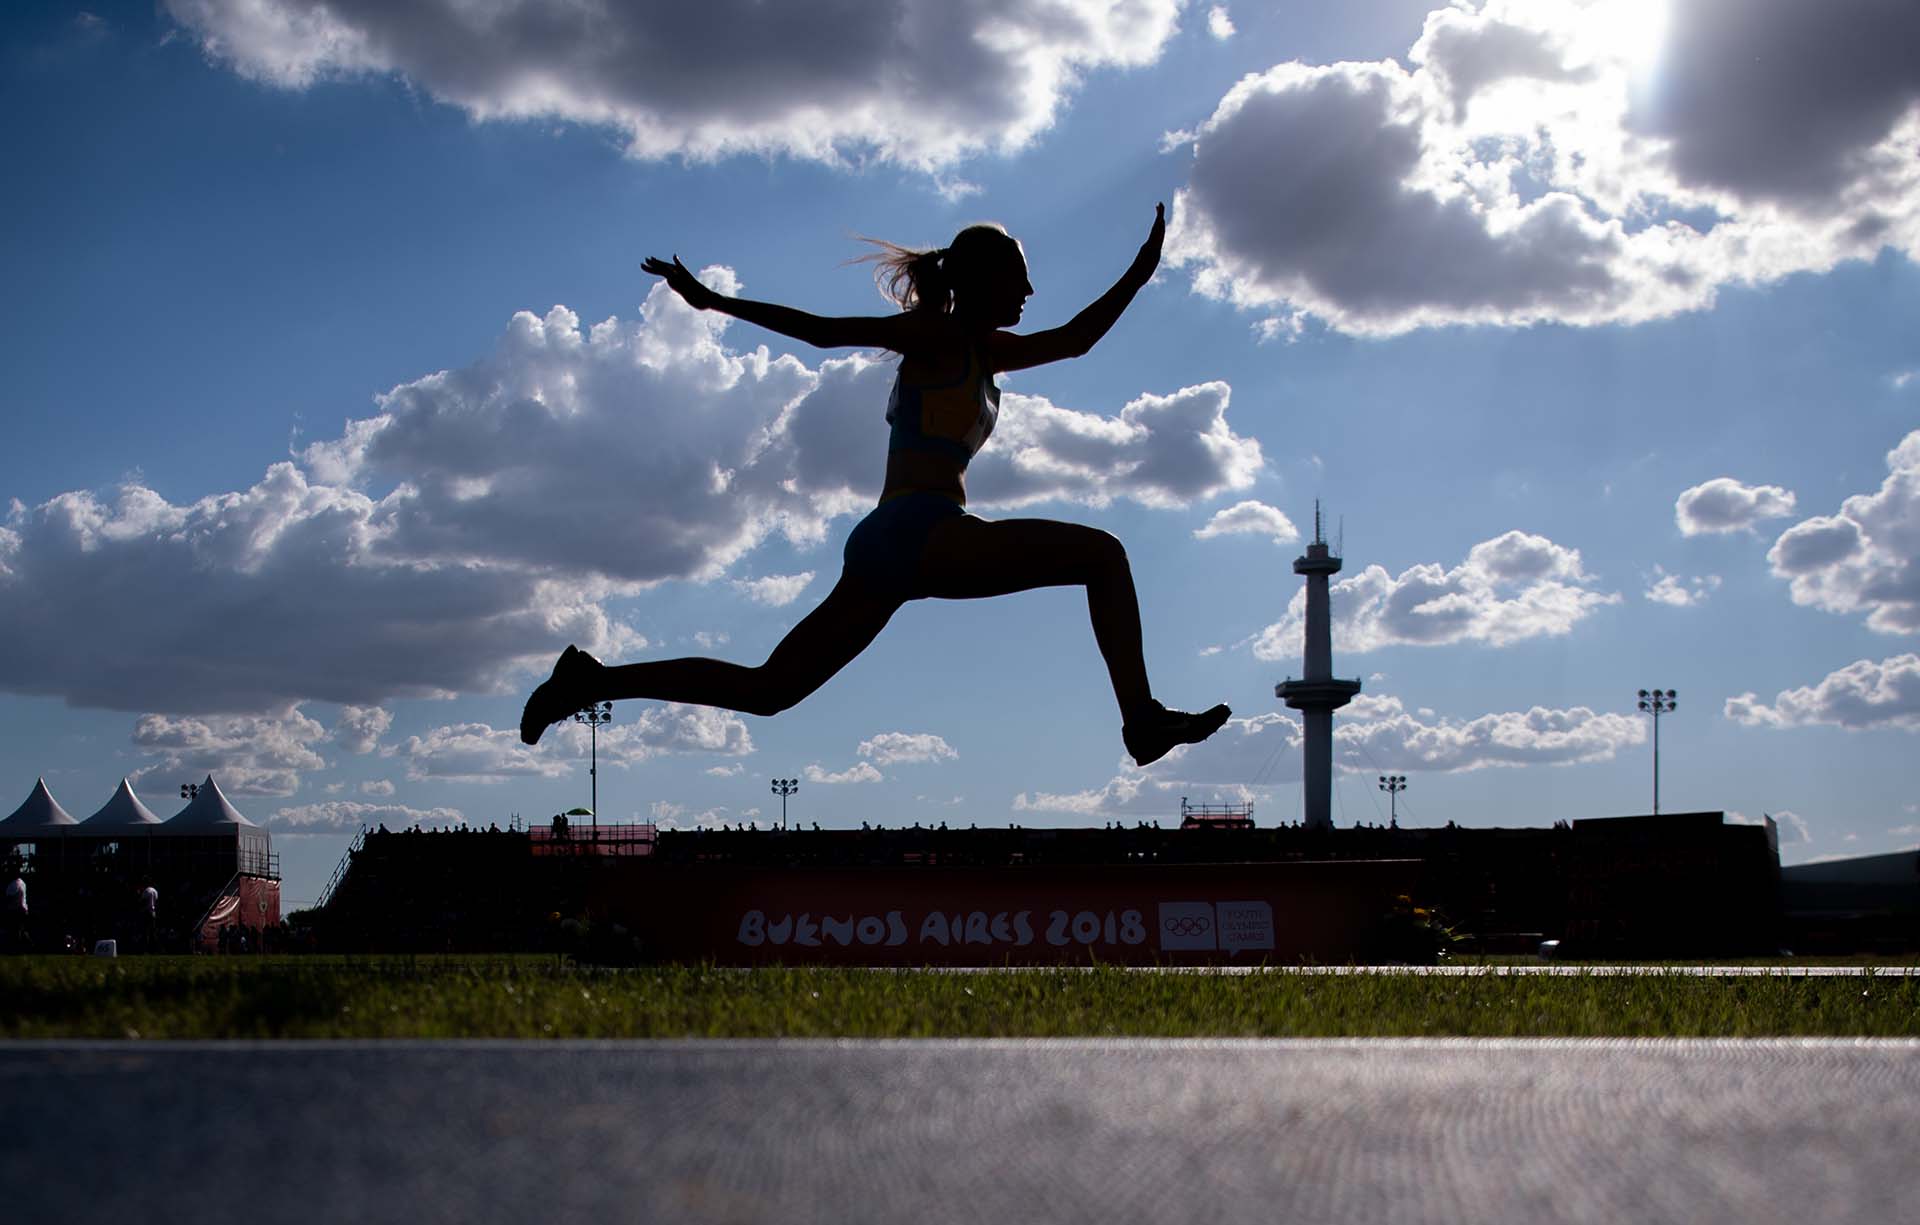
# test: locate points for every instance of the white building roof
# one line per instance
(207, 813)
(40, 811)
(123, 811)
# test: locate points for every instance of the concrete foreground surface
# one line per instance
(1108, 1131)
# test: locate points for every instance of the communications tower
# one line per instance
(1319, 693)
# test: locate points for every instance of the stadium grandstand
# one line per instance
(1679, 884)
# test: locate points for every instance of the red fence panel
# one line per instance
(1166, 914)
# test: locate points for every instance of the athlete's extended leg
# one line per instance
(969, 558)
(825, 641)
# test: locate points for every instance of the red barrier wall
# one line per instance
(1145, 914)
(254, 901)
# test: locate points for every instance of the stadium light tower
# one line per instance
(784, 787)
(1657, 702)
(594, 717)
(189, 791)
(1393, 785)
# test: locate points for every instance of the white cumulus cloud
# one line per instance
(1866, 557)
(774, 590)
(1133, 796)
(1511, 588)
(1573, 161)
(1220, 22)
(1163, 451)
(1679, 591)
(659, 728)
(1251, 518)
(359, 728)
(290, 597)
(1536, 736)
(1726, 505)
(248, 755)
(345, 816)
(921, 83)
(893, 748)
(1864, 694)
(1249, 756)
(478, 753)
(859, 772)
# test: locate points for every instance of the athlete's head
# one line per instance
(982, 273)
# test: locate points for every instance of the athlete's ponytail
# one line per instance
(927, 279)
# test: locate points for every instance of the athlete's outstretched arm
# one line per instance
(1011, 351)
(901, 333)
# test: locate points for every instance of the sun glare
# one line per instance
(1628, 32)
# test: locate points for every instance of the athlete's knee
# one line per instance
(1104, 552)
(766, 705)
(770, 702)
(776, 691)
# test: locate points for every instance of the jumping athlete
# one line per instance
(955, 306)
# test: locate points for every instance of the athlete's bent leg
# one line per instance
(971, 558)
(824, 641)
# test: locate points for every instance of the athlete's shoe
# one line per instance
(1154, 730)
(559, 695)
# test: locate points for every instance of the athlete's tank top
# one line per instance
(952, 419)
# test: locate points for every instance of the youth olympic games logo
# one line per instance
(1187, 927)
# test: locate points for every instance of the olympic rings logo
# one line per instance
(1190, 925)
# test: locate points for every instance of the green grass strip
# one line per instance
(456, 997)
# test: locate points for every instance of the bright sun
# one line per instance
(1629, 32)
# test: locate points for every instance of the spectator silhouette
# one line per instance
(147, 913)
(13, 913)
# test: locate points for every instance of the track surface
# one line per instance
(927, 1132)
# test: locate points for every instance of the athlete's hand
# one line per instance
(682, 282)
(1149, 257)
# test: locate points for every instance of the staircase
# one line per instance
(339, 876)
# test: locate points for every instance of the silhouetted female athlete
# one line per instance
(920, 541)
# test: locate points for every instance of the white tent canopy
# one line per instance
(207, 813)
(40, 811)
(123, 811)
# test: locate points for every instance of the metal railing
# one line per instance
(636, 839)
(254, 862)
(230, 889)
(340, 872)
(1215, 810)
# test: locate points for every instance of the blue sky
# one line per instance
(336, 402)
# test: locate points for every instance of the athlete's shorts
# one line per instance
(884, 548)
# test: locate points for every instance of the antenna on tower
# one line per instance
(1340, 541)
(1317, 539)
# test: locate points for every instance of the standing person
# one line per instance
(956, 304)
(147, 904)
(13, 914)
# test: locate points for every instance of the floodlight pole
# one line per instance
(1657, 702)
(1393, 785)
(593, 716)
(784, 787)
